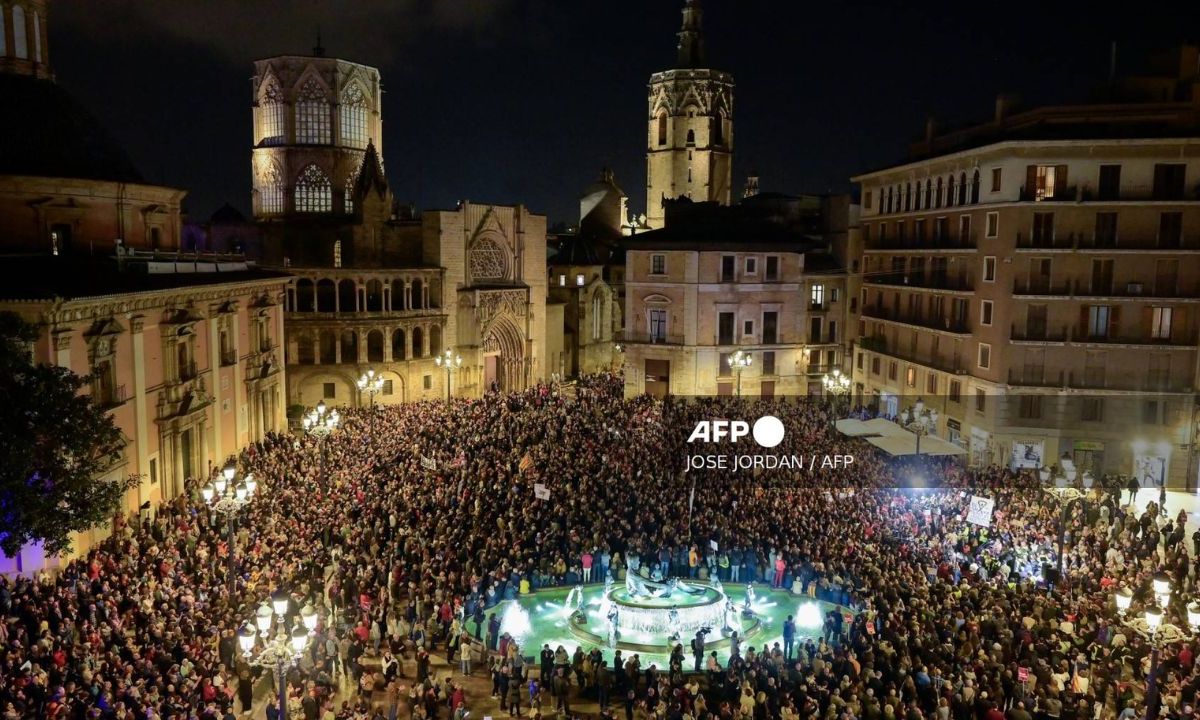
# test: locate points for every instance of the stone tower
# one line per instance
(689, 139)
(23, 39)
(314, 117)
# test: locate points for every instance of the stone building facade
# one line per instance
(1043, 292)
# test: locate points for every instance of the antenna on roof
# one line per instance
(318, 50)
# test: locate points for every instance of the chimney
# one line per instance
(1005, 104)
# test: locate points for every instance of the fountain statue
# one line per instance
(613, 618)
(574, 599)
(673, 627)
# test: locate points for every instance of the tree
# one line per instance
(55, 446)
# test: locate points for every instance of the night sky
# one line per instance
(525, 100)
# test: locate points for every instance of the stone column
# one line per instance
(141, 421)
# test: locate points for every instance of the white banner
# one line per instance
(981, 511)
(428, 463)
(541, 492)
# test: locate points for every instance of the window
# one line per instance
(1035, 322)
(1093, 409)
(1106, 229)
(1099, 319)
(272, 115)
(662, 129)
(867, 198)
(1031, 407)
(725, 328)
(985, 312)
(691, 137)
(726, 268)
(980, 400)
(348, 192)
(313, 191)
(768, 363)
(1110, 182)
(910, 376)
(858, 361)
(1168, 177)
(329, 391)
(579, 280)
(989, 269)
(597, 316)
(992, 225)
(562, 280)
(658, 264)
(354, 116)
(1160, 323)
(996, 174)
(723, 369)
(1170, 229)
(337, 253)
(772, 268)
(985, 356)
(893, 369)
(817, 296)
(658, 325)
(20, 44)
(751, 266)
(387, 387)
(964, 229)
(1150, 412)
(955, 391)
(1045, 182)
(875, 365)
(312, 114)
(931, 383)
(1102, 276)
(271, 192)
(1043, 228)
(427, 382)
(748, 328)
(814, 330)
(770, 327)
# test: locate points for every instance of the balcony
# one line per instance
(1040, 334)
(228, 357)
(1083, 289)
(915, 244)
(187, 371)
(941, 324)
(1067, 194)
(1036, 377)
(1127, 382)
(110, 397)
(1042, 287)
(645, 338)
(925, 281)
(1087, 242)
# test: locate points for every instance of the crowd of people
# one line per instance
(406, 527)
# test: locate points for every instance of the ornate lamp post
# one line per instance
(450, 361)
(1153, 626)
(281, 652)
(1066, 497)
(739, 361)
(838, 387)
(371, 384)
(226, 499)
(919, 421)
(320, 423)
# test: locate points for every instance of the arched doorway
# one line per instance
(503, 356)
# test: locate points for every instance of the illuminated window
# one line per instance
(910, 376)
(337, 253)
(272, 115)
(1099, 320)
(579, 280)
(313, 191)
(1045, 182)
(817, 295)
(20, 45)
(354, 117)
(351, 180)
(312, 115)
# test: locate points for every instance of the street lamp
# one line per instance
(1154, 626)
(371, 384)
(1067, 497)
(226, 499)
(281, 652)
(837, 385)
(739, 361)
(449, 361)
(919, 421)
(320, 422)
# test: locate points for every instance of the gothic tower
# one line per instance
(689, 141)
(314, 117)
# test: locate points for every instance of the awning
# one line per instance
(898, 446)
(867, 428)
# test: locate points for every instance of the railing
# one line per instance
(927, 281)
(1155, 195)
(1066, 194)
(969, 242)
(187, 371)
(111, 398)
(1022, 286)
(1089, 242)
(1040, 334)
(229, 357)
(1125, 381)
(1032, 377)
(645, 338)
(958, 327)
(1080, 288)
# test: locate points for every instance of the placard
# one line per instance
(541, 492)
(980, 512)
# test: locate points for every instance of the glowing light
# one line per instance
(515, 621)
(809, 615)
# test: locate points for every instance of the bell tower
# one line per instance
(24, 47)
(689, 141)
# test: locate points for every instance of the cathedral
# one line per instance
(378, 287)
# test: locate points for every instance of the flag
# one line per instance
(526, 462)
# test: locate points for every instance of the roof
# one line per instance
(721, 229)
(576, 250)
(227, 215)
(45, 132)
(46, 277)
